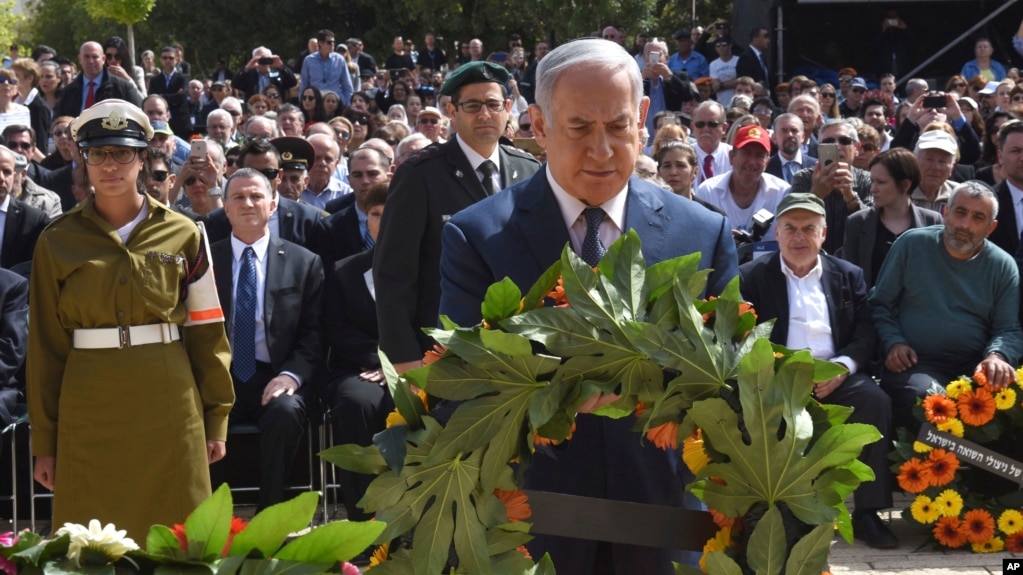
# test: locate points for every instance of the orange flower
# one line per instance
(720, 519)
(640, 408)
(540, 440)
(179, 532)
(557, 295)
(747, 307)
(981, 378)
(515, 503)
(1014, 542)
(664, 436)
(938, 408)
(237, 526)
(525, 552)
(976, 407)
(432, 355)
(942, 467)
(950, 532)
(979, 525)
(914, 476)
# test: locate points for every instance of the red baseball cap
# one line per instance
(750, 135)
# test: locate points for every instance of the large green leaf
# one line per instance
(454, 379)
(161, 541)
(383, 492)
(543, 286)
(209, 525)
(772, 468)
(623, 263)
(766, 551)
(365, 459)
(661, 276)
(720, 564)
(501, 301)
(809, 555)
(545, 566)
(479, 421)
(270, 527)
(591, 295)
(332, 542)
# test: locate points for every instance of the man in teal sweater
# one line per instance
(946, 303)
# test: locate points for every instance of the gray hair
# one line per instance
(253, 174)
(261, 49)
(407, 141)
(789, 117)
(223, 115)
(805, 98)
(915, 84)
(844, 123)
(710, 104)
(975, 189)
(259, 119)
(609, 57)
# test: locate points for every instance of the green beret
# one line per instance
(474, 73)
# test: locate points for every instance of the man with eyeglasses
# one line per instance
(24, 189)
(326, 69)
(722, 70)
(753, 61)
(430, 122)
(173, 86)
(264, 69)
(709, 128)
(202, 181)
(345, 233)
(155, 107)
(21, 139)
(93, 84)
(850, 108)
(844, 188)
(426, 191)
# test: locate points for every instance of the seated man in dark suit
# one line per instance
(22, 223)
(788, 139)
(356, 393)
(292, 221)
(588, 117)
(346, 232)
(271, 293)
(13, 341)
(819, 302)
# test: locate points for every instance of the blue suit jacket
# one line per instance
(519, 233)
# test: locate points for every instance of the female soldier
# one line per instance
(129, 379)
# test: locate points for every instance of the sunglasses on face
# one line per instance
(11, 81)
(60, 133)
(361, 121)
(160, 175)
(19, 145)
(525, 126)
(429, 121)
(231, 161)
(868, 148)
(958, 85)
(308, 98)
(113, 56)
(701, 125)
(344, 135)
(858, 90)
(270, 173)
(192, 180)
(827, 94)
(274, 96)
(842, 141)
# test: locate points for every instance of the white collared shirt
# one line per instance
(123, 232)
(260, 247)
(3, 218)
(1017, 203)
(809, 320)
(475, 159)
(721, 162)
(716, 191)
(572, 212)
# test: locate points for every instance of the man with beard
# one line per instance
(788, 138)
(974, 284)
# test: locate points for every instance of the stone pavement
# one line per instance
(917, 553)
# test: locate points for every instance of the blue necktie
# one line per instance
(593, 250)
(790, 171)
(367, 240)
(245, 318)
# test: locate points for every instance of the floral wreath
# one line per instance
(960, 504)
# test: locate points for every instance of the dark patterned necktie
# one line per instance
(593, 250)
(244, 353)
(488, 169)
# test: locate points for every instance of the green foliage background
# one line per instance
(211, 30)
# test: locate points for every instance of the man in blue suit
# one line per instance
(588, 113)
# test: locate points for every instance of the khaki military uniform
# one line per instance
(128, 427)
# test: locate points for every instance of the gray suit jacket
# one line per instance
(426, 191)
(292, 304)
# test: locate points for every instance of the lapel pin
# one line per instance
(458, 173)
(515, 174)
(280, 252)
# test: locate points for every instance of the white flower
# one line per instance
(107, 541)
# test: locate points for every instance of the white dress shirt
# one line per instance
(717, 191)
(809, 320)
(721, 162)
(572, 212)
(475, 159)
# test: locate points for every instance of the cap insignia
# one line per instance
(115, 121)
(286, 156)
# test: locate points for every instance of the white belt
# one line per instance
(128, 336)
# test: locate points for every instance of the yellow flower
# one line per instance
(722, 539)
(953, 426)
(993, 545)
(921, 447)
(694, 455)
(379, 556)
(395, 418)
(957, 387)
(924, 511)
(1005, 398)
(1010, 521)
(1019, 376)
(949, 503)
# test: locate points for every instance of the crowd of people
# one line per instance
(345, 205)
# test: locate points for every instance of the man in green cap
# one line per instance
(426, 191)
(819, 302)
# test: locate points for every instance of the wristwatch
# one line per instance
(216, 192)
